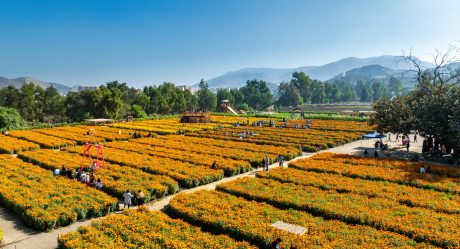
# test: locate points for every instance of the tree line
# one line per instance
(301, 90)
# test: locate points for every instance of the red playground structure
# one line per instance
(87, 154)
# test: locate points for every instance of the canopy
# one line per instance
(374, 135)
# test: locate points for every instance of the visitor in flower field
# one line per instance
(276, 244)
(389, 137)
(376, 154)
(78, 174)
(267, 162)
(63, 171)
(99, 183)
(407, 145)
(140, 198)
(422, 169)
(214, 165)
(428, 170)
(415, 137)
(366, 153)
(69, 173)
(280, 160)
(397, 137)
(56, 172)
(127, 199)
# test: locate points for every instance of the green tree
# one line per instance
(256, 94)
(348, 95)
(289, 95)
(332, 92)
(138, 112)
(10, 119)
(53, 103)
(237, 96)
(318, 94)
(395, 87)
(27, 102)
(10, 97)
(304, 84)
(377, 91)
(207, 101)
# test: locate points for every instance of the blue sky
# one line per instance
(182, 41)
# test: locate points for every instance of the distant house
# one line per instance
(82, 88)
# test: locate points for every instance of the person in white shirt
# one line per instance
(127, 199)
(422, 169)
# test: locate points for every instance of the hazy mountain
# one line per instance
(18, 82)
(325, 72)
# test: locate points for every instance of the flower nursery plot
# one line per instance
(224, 213)
(116, 179)
(422, 225)
(443, 178)
(11, 145)
(44, 201)
(408, 195)
(188, 175)
(144, 229)
(307, 139)
(193, 155)
(43, 140)
(163, 126)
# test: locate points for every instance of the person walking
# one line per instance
(415, 137)
(397, 137)
(376, 154)
(127, 199)
(366, 153)
(389, 137)
(280, 160)
(267, 162)
(276, 244)
(214, 165)
(99, 183)
(407, 145)
(140, 198)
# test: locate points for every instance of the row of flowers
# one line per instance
(408, 195)
(420, 224)
(145, 229)
(13, 145)
(248, 220)
(242, 147)
(333, 125)
(308, 140)
(442, 178)
(163, 126)
(45, 202)
(116, 179)
(189, 153)
(43, 140)
(188, 175)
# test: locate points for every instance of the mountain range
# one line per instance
(348, 70)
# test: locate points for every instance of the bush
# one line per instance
(10, 119)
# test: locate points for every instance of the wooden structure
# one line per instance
(225, 107)
(195, 117)
(297, 111)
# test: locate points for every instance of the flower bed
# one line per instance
(407, 195)
(442, 179)
(188, 175)
(11, 145)
(248, 220)
(44, 201)
(188, 153)
(116, 179)
(420, 224)
(144, 229)
(43, 140)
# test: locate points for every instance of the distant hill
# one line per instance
(18, 82)
(393, 64)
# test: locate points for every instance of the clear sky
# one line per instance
(182, 41)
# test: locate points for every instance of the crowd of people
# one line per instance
(81, 175)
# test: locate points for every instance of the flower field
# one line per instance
(417, 223)
(45, 202)
(442, 179)
(309, 140)
(188, 175)
(11, 145)
(193, 155)
(249, 220)
(144, 229)
(116, 179)
(163, 126)
(409, 195)
(43, 140)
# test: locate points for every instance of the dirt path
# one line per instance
(18, 236)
